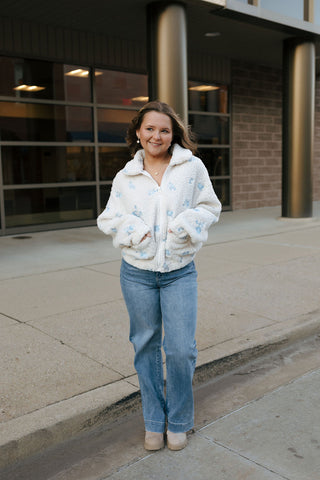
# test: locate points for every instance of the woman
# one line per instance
(159, 211)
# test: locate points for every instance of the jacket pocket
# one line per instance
(144, 250)
(180, 246)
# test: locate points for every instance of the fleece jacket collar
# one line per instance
(179, 155)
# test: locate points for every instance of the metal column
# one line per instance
(167, 55)
(298, 127)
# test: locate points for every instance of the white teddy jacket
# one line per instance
(184, 204)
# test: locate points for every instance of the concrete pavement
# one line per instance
(276, 437)
(65, 359)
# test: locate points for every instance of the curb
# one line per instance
(35, 432)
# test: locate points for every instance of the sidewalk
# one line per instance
(273, 438)
(65, 359)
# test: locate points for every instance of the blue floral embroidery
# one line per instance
(191, 180)
(200, 186)
(153, 191)
(131, 185)
(172, 186)
(199, 226)
(114, 230)
(118, 194)
(136, 212)
(156, 228)
(186, 203)
(130, 229)
(169, 213)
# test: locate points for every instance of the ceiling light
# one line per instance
(29, 88)
(204, 88)
(212, 34)
(140, 99)
(80, 72)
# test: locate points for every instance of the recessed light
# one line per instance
(80, 72)
(212, 34)
(204, 88)
(140, 99)
(29, 88)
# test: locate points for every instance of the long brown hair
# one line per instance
(181, 133)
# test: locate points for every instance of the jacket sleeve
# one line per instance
(195, 222)
(126, 228)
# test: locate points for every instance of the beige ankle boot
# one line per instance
(153, 441)
(176, 441)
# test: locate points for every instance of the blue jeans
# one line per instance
(169, 300)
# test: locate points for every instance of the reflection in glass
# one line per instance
(121, 88)
(44, 122)
(38, 206)
(24, 164)
(222, 189)
(104, 195)
(208, 97)
(113, 124)
(39, 79)
(111, 160)
(216, 161)
(212, 130)
(77, 83)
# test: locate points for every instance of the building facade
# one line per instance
(72, 78)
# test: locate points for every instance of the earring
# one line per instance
(138, 141)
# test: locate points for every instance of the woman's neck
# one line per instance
(156, 166)
(156, 160)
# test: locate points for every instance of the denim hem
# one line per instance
(180, 427)
(157, 427)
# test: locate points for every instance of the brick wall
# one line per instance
(257, 137)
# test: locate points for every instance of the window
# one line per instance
(210, 120)
(111, 160)
(60, 149)
(23, 78)
(120, 88)
(113, 124)
(317, 13)
(288, 8)
(37, 206)
(43, 122)
(46, 164)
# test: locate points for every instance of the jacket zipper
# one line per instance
(160, 255)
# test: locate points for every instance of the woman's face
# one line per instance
(156, 134)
